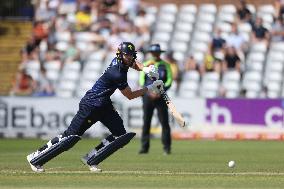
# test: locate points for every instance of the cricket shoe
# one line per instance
(94, 169)
(143, 151)
(167, 151)
(35, 168)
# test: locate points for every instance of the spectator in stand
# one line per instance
(52, 30)
(28, 49)
(61, 24)
(124, 22)
(102, 27)
(107, 6)
(231, 60)
(24, 84)
(72, 53)
(191, 64)
(259, 32)
(218, 43)
(33, 58)
(210, 64)
(94, 10)
(236, 40)
(218, 61)
(279, 8)
(277, 30)
(83, 18)
(51, 17)
(244, 14)
(52, 53)
(40, 31)
(44, 11)
(43, 86)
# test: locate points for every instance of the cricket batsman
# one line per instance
(95, 106)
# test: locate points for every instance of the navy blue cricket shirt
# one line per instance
(114, 77)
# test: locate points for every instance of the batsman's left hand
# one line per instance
(151, 72)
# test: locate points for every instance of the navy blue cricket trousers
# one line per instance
(88, 115)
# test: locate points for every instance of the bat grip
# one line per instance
(163, 92)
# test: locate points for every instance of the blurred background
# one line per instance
(227, 58)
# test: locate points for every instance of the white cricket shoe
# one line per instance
(35, 168)
(95, 169)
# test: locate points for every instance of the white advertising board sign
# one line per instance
(46, 117)
(34, 117)
(37, 117)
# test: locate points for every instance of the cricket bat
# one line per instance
(178, 117)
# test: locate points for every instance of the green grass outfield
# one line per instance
(193, 164)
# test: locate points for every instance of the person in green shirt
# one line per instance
(153, 100)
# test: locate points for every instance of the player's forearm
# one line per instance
(137, 93)
(128, 93)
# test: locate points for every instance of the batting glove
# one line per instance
(151, 72)
(156, 86)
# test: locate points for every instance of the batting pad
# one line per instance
(112, 147)
(64, 144)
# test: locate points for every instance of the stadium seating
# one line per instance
(68, 79)
(190, 84)
(187, 30)
(231, 84)
(52, 70)
(210, 85)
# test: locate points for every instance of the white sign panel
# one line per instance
(34, 117)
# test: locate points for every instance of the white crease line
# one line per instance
(52, 171)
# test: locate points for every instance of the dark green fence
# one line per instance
(16, 9)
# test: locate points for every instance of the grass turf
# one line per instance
(193, 164)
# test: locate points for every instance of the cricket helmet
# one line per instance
(128, 49)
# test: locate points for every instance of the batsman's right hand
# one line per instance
(156, 86)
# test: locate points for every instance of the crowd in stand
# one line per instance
(110, 22)
(228, 52)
